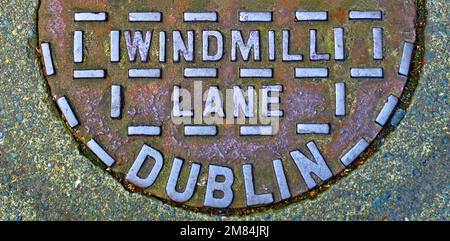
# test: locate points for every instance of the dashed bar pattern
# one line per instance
(145, 17)
(365, 15)
(306, 72)
(200, 130)
(48, 59)
(339, 45)
(200, 17)
(256, 130)
(340, 99)
(255, 16)
(255, 73)
(89, 74)
(405, 63)
(366, 72)
(78, 46)
(387, 110)
(91, 17)
(350, 156)
(311, 16)
(313, 129)
(144, 130)
(67, 111)
(144, 73)
(200, 73)
(100, 153)
(377, 43)
(116, 101)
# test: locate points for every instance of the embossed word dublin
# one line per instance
(226, 104)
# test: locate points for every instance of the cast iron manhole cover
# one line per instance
(226, 104)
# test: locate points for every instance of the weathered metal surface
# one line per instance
(147, 101)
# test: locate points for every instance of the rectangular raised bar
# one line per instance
(200, 73)
(354, 152)
(405, 64)
(200, 130)
(144, 73)
(256, 130)
(377, 43)
(255, 73)
(366, 72)
(255, 16)
(90, 17)
(339, 48)
(67, 111)
(340, 99)
(387, 110)
(311, 15)
(116, 101)
(145, 17)
(78, 46)
(100, 153)
(89, 74)
(115, 46)
(313, 128)
(144, 130)
(365, 15)
(48, 60)
(311, 72)
(200, 17)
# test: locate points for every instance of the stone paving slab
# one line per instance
(43, 175)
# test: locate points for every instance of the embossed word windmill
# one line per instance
(226, 104)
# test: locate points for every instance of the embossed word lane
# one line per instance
(226, 104)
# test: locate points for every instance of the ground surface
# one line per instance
(44, 177)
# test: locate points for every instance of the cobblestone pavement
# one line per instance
(43, 176)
